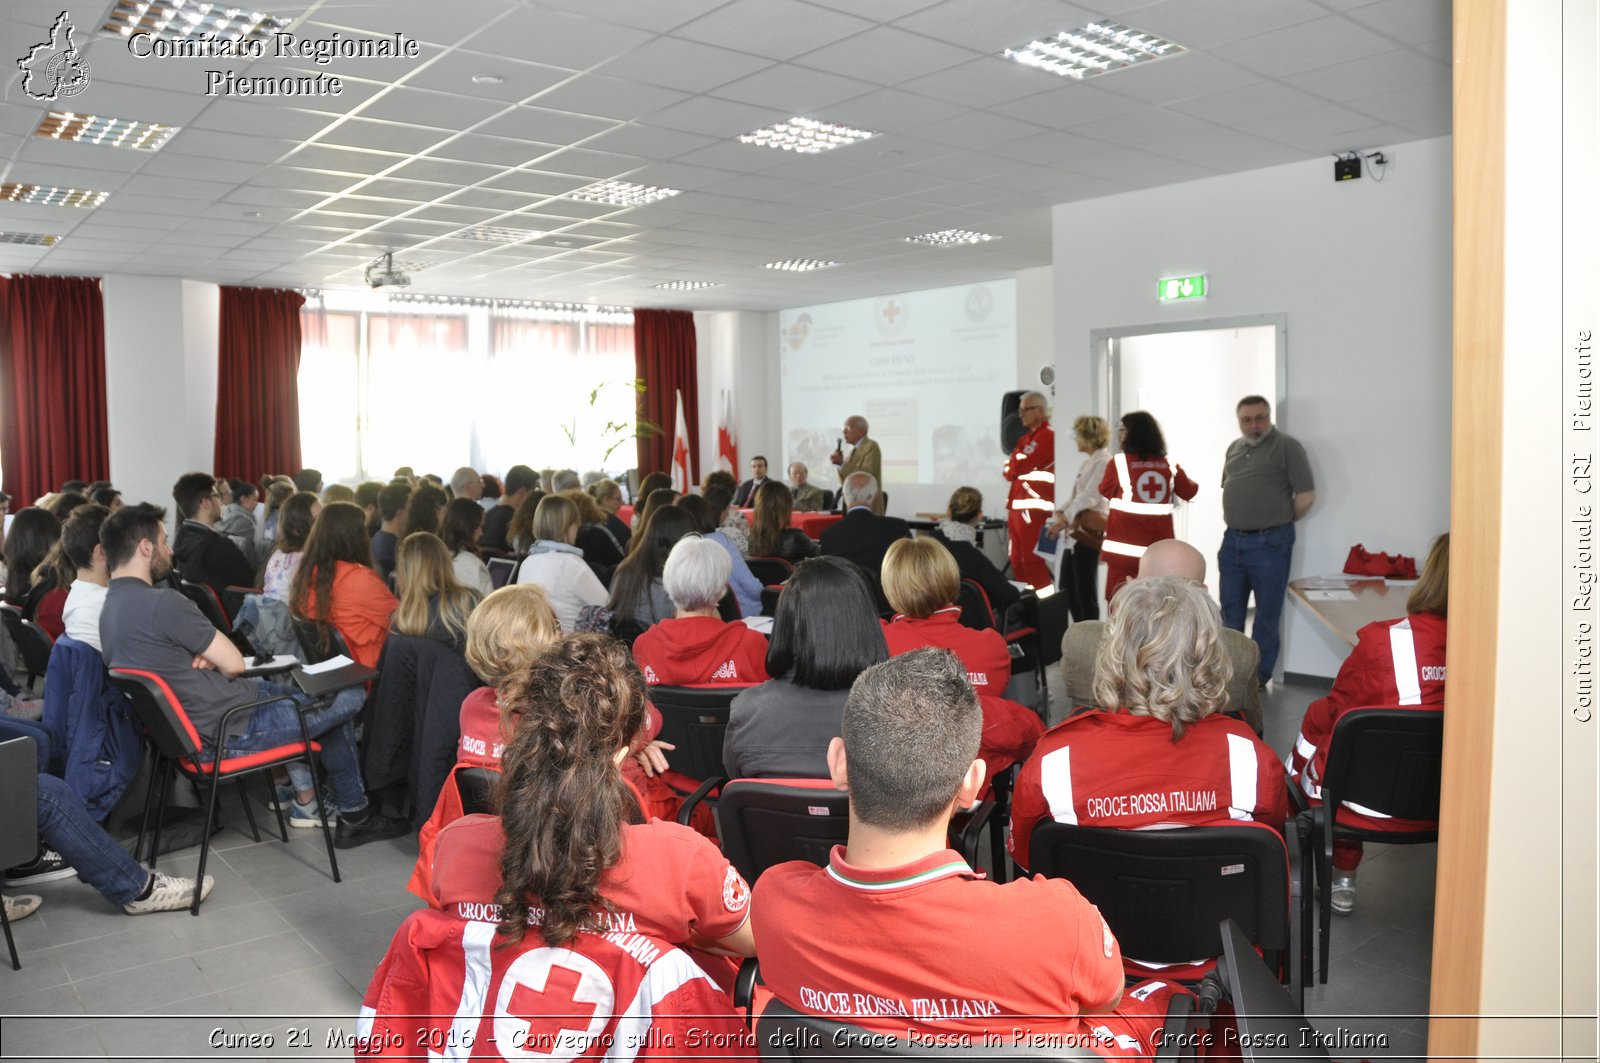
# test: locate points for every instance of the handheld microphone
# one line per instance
(839, 446)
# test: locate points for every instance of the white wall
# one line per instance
(1036, 329)
(1362, 269)
(161, 381)
(733, 355)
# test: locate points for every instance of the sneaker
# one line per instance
(22, 906)
(169, 894)
(1343, 899)
(374, 828)
(49, 867)
(307, 816)
(282, 797)
(22, 709)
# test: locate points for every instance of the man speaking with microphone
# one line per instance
(1031, 470)
(864, 457)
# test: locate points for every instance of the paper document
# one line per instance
(336, 661)
(763, 624)
(278, 664)
(1330, 596)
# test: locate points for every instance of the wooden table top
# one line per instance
(1346, 604)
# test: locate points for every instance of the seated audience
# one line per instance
(697, 646)
(34, 533)
(825, 634)
(660, 497)
(637, 590)
(335, 587)
(807, 498)
(238, 521)
(897, 920)
(425, 508)
(1395, 664)
(730, 522)
(600, 548)
(1081, 643)
(656, 481)
(434, 604)
(466, 483)
(520, 480)
(564, 861)
(520, 530)
(392, 502)
(462, 525)
(1165, 756)
(770, 535)
(278, 491)
(80, 541)
(63, 504)
(367, 492)
(565, 480)
(200, 552)
(921, 582)
(557, 565)
(492, 490)
(609, 496)
(745, 496)
(108, 497)
(47, 594)
(308, 480)
(958, 530)
(861, 536)
(338, 493)
(707, 510)
(295, 518)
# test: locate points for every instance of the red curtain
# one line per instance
(664, 357)
(258, 399)
(53, 364)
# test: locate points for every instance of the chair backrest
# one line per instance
(769, 821)
(728, 607)
(476, 787)
(501, 569)
(694, 719)
(32, 642)
(1164, 893)
(975, 609)
(1388, 760)
(783, 1033)
(19, 800)
(159, 711)
(305, 633)
(206, 600)
(770, 570)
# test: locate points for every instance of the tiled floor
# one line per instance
(278, 938)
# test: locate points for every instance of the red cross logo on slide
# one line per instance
(1151, 487)
(891, 310)
(552, 1005)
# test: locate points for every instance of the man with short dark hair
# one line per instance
(520, 479)
(897, 934)
(203, 554)
(74, 487)
(1266, 487)
(159, 630)
(745, 496)
(308, 480)
(386, 540)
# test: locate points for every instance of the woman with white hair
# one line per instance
(697, 646)
(1159, 753)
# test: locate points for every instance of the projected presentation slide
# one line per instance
(926, 369)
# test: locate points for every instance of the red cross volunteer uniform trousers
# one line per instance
(1114, 769)
(1031, 470)
(1009, 729)
(444, 990)
(1139, 492)
(1395, 664)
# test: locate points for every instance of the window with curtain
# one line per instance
(440, 385)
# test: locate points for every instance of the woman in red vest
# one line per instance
(1140, 487)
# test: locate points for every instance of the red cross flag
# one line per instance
(727, 438)
(682, 475)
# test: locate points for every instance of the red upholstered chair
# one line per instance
(178, 748)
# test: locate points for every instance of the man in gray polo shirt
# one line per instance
(1266, 487)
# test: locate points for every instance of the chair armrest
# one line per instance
(1176, 1032)
(235, 589)
(744, 986)
(220, 739)
(1298, 802)
(701, 792)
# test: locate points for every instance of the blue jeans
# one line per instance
(65, 826)
(1258, 562)
(277, 723)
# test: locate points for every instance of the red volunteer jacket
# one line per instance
(1031, 471)
(982, 653)
(700, 650)
(1142, 515)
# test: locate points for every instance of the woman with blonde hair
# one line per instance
(1080, 515)
(958, 530)
(434, 604)
(557, 565)
(1395, 664)
(1159, 752)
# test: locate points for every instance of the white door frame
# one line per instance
(1105, 357)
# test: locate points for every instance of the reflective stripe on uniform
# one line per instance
(1241, 777)
(1032, 503)
(1111, 546)
(1055, 779)
(1403, 653)
(1040, 475)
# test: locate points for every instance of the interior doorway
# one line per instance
(1189, 376)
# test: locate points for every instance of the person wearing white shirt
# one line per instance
(80, 541)
(557, 566)
(1081, 569)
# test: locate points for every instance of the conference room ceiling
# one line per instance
(513, 105)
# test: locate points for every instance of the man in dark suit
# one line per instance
(745, 496)
(863, 536)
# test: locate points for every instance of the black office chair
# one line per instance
(33, 644)
(1164, 893)
(977, 611)
(694, 719)
(1387, 760)
(771, 571)
(476, 787)
(211, 607)
(311, 646)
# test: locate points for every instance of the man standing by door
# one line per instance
(1266, 487)
(1031, 470)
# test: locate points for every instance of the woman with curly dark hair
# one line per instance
(1140, 487)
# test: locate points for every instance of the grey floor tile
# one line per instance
(274, 869)
(363, 937)
(315, 991)
(227, 926)
(131, 946)
(196, 1035)
(143, 988)
(40, 970)
(59, 1000)
(233, 965)
(56, 1038)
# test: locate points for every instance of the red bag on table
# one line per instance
(1362, 562)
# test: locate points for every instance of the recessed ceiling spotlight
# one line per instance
(563, 243)
(496, 234)
(33, 239)
(1092, 50)
(179, 19)
(805, 135)
(622, 193)
(801, 265)
(111, 132)
(686, 286)
(951, 237)
(488, 79)
(51, 196)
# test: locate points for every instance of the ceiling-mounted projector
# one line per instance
(382, 274)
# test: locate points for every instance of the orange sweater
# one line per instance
(361, 609)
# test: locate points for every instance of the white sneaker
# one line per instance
(169, 894)
(22, 905)
(1343, 898)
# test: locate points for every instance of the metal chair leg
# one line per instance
(5, 921)
(205, 843)
(249, 813)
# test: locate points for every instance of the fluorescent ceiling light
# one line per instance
(805, 135)
(686, 286)
(496, 234)
(33, 239)
(51, 196)
(179, 19)
(111, 132)
(622, 193)
(1092, 50)
(801, 265)
(951, 237)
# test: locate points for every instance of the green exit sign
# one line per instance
(1176, 289)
